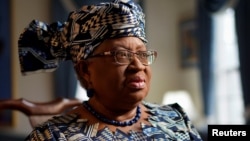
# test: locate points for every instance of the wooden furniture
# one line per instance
(38, 112)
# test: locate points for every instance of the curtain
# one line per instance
(214, 5)
(5, 51)
(6, 116)
(205, 9)
(204, 32)
(242, 18)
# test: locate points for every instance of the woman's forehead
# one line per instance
(122, 42)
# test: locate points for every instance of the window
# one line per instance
(227, 84)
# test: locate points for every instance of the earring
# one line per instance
(90, 92)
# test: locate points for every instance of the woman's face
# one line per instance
(115, 83)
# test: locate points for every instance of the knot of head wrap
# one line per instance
(38, 47)
(42, 46)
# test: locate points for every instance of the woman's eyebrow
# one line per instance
(115, 47)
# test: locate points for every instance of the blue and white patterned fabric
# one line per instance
(42, 46)
(168, 123)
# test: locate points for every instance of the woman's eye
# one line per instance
(143, 55)
(122, 54)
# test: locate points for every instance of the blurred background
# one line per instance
(202, 59)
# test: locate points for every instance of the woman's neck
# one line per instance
(114, 110)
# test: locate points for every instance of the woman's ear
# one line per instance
(82, 72)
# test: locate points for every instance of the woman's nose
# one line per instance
(136, 63)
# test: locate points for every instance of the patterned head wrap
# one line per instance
(43, 46)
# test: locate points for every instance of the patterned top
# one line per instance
(169, 123)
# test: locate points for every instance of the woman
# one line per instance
(107, 45)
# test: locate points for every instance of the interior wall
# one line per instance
(37, 87)
(162, 18)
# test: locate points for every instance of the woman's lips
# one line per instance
(137, 83)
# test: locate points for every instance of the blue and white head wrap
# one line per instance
(43, 46)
